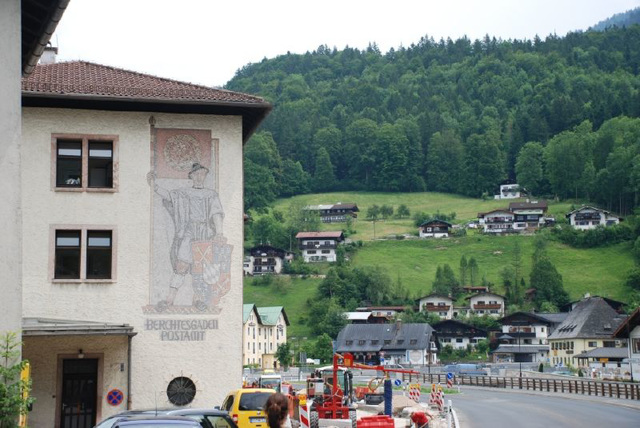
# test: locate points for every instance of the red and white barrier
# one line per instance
(414, 392)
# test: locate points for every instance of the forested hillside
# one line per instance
(559, 115)
(624, 19)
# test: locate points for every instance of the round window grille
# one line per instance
(181, 391)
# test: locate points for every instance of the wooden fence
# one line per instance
(630, 391)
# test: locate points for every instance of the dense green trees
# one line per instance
(452, 116)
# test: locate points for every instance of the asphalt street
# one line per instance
(484, 408)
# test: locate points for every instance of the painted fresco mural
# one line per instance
(190, 257)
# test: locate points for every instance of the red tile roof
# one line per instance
(86, 78)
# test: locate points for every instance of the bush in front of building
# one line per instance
(14, 390)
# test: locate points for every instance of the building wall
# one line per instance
(250, 354)
(160, 353)
(46, 371)
(487, 298)
(580, 345)
(10, 93)
(592, 223)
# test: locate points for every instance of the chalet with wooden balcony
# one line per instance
(497, 221)
(528, 214)
(586, 218)
(435, 229)
(487, 304)
(436, 304)
(319, 246)
(520, 216)
(266, 259)
(336, 213)
(458, 335)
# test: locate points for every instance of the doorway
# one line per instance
(79, 393)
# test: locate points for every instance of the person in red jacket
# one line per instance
(419, 419)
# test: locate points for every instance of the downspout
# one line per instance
(129, 338)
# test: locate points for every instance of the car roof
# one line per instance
(156, 420)
(206, 412)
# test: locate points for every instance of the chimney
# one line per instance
(49, 55)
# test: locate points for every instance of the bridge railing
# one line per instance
(624, 390)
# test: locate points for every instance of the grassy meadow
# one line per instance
(599, 271)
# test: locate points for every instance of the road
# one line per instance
(489, 408)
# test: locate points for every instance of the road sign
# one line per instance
(397, 382)
(115, 397)
(449, 375)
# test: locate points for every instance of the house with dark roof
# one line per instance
(265, 259)
(319, 246)
(336, 213)
(394, 343)
(523, 338)
(519, 217)
(458, 334)
(590, 325)
(587, 217)
(629, 330)
(133, 203)
(435, 229)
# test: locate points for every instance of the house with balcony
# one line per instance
(436, 304)
(523, 338)
(458, 335)
(336, 213)
(435, 229)
(319, 246)
(496, 221)
(395, 343)
(529, 214)
(484, 304)
(520, 216)
(587, 218)
(264, 259)
(590, 325)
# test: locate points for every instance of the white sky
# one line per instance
(207, 41)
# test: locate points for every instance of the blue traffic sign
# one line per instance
(449, 375)
(397, 382)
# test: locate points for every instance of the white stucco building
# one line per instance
(25, 29)
(586, 218)
(132, 225)
(509, 191)
(264, 329)
(437, 304)
(319, 246)
(487, 304)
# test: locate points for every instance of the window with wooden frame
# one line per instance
(84, 162)
(83, 254)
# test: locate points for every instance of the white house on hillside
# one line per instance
(487, 304)
(319, 246)
(586, 217)
(437, 304)
(509, 191)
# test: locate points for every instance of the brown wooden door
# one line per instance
(79, 392)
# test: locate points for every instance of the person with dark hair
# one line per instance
(277, 410)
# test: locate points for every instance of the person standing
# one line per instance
(277, 410)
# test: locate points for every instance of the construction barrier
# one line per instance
(303, 411)
(432, 396)
(414, 392)
(377, 421)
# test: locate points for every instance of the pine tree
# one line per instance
(324, 177)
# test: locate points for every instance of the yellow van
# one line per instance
(246, 406)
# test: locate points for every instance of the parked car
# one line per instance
(206, 417)
(156, 422)
(465, 369)
(246, 406)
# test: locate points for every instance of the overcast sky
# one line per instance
(207, 41)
